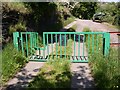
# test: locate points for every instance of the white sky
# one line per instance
(58, 0)
(109, 0)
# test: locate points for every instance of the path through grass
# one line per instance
(55, 73)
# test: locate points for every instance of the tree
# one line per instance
(84, 10)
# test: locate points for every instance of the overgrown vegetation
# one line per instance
(105, 69)
(55, 73)
(12, 61)
(19, 27)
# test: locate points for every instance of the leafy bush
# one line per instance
(16, 6)
(20, 26)
(12, 61)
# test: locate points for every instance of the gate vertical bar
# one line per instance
(88, 43)
(79, 46)
(83, 44)
(92, 43)
(56, 45)
(74, 46)
(106, 45)
(69, 36)
(97, 43)
(15, 40)
(52, 44)
(44, 45)
(26, 44)
(60, 47)
(47, 47)
(65, 46)
(37, 40)
(22, 43)
(31, 42)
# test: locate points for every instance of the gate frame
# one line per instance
(34, 41)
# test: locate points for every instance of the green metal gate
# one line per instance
(82, 44)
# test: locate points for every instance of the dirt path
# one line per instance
(95, 26)
(25, 75)
(81, 73)
(81, 76)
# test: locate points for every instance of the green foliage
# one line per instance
(84, 10)
(20, 27)
(112, 12)
(12, 61)
(42, 10)
(106, 70)
(16, 6)
(68, 21)
(40, 44)
(86, 29)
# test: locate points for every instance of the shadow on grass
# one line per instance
(41, 82)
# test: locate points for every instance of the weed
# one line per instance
(12, 61)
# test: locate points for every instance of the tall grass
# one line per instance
(12, 61)
(55, 73)
(105, 69)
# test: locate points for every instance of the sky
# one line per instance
(60, 0)
(109, 0)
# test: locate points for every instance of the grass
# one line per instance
(86, 29)
(55, 73)
(12, 61)
(73, 28)
(68, 21)
(105, 69)
(111, 26)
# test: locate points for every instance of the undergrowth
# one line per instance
(12, 61)
(105, 69)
